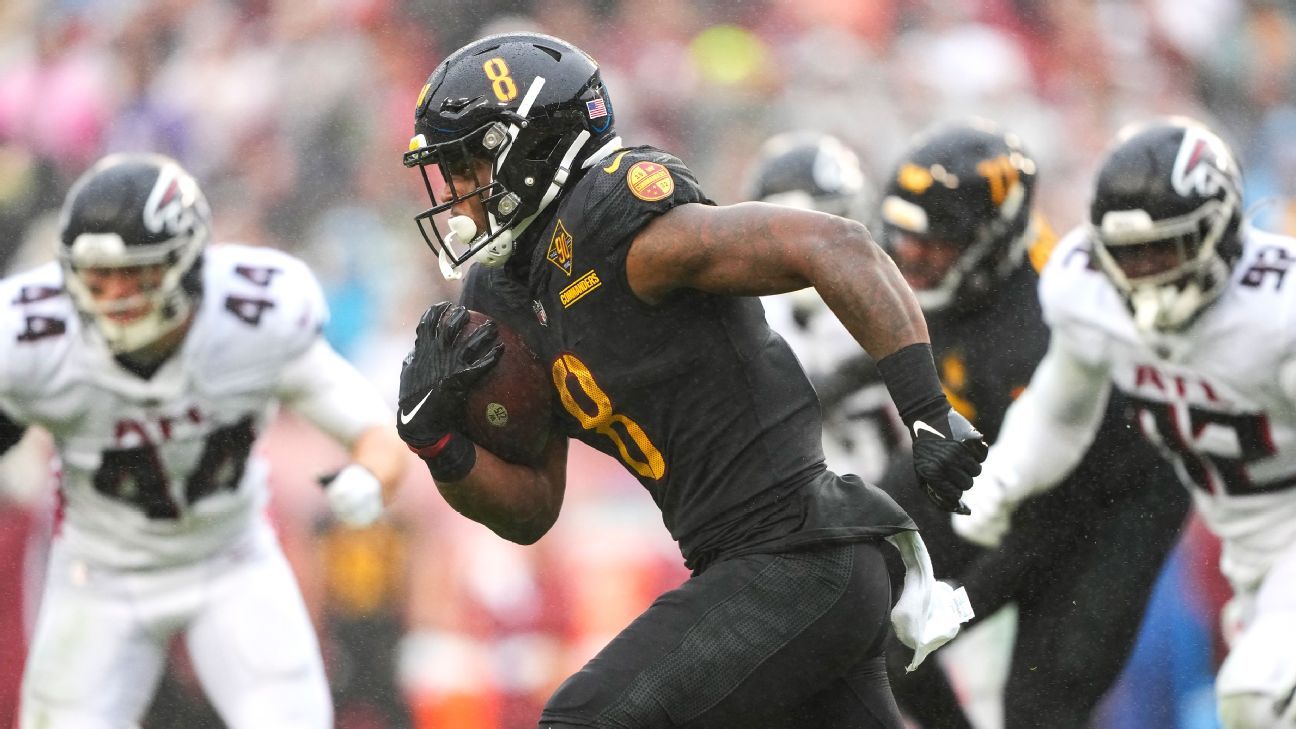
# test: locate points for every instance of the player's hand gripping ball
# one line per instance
(469, 374)
(509, 410)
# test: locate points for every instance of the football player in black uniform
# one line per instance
(639, 294)
(1079, 562)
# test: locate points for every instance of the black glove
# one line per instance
(947, 453)
(435, 379)
(947, 450)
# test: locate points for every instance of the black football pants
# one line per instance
(780, 641)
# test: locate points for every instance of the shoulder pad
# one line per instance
(1264, 281)
(1079, 303)
(1267, 260)
(1070, 271)
(262, 307)
(619, 196)
(647, 175)
(37, 326)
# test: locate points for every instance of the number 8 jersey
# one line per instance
(1218, 397)
(695, 396)
(160, 471)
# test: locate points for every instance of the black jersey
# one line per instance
(695, 396)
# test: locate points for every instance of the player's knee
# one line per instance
(1253, 711)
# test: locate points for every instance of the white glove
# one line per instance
(991, 515)
(354, 495)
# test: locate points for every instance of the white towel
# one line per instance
(929, 613)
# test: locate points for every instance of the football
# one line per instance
(508, 411)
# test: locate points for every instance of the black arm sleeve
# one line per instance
(10, 433)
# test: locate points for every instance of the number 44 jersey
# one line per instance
(159, 471)
(1219, 398)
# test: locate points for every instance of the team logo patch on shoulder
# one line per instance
(578, 288)
(650, 181)
(560, 248)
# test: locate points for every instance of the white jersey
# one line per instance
(1217, 397)
(159, 471)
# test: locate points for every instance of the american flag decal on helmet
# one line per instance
(596, 108)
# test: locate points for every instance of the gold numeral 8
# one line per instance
(501, 82)
(603, 418)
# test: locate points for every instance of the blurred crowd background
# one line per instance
(293, 115)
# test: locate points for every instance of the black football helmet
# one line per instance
(1170, 190)
(132, 210)
(971, 185)
(532, 105)
(812, 171)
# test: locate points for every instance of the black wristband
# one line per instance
(454, 461)
(910, 377)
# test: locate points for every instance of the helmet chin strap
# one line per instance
(167, 313)
(1162, 308)
(612, 145)
(499, 250)
(559, 180)
(1167, 307)
(170, 305)
(462, 228)
(1148, 304)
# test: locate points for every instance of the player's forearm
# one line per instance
(865, 290)
(757, 249)
(1049, 427)
(321, 386)
(519, 503)
(383, 453)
